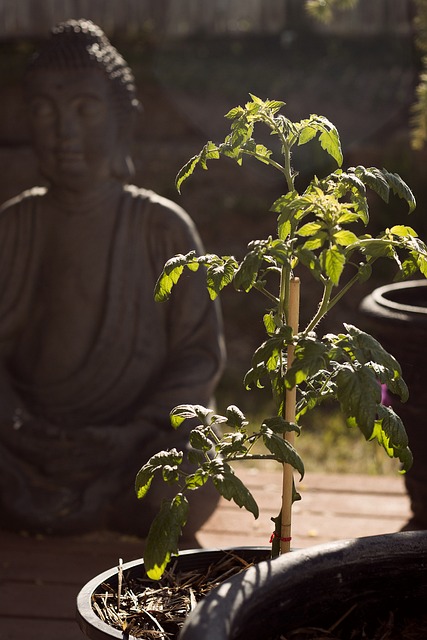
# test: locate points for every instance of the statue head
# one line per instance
(79, 71)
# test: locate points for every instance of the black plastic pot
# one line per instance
(396, 315)
(95, 629)
(313, 587)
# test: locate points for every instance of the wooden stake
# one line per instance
(288, 475)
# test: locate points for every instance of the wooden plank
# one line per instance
(26, 558)
(19, 629)
(333, 507)
(38, 600)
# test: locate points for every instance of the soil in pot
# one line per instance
(140, 608)
(365, 622)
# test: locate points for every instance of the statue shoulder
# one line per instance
(161, 210)
(169, 228)
(23, 200)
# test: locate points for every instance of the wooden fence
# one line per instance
(183, 18)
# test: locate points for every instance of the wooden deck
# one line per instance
(40, 577)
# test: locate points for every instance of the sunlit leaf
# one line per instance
(391, 435)
(145, 475)
(187, 411)
(196, 480)
(163, 536)
(344, 237)
(172, 272)
(219, 274)
(333, 262)
(235, 417)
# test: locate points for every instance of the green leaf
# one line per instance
(170, 474)
(187, 411)
(310, 228)
(369, 349)
(186, 171)
(197, 479)
(278, 424)
(209, 152)
(328, 136)
(268, 353)
(311, 261)
(254, 376)
(344, 237)
(145, 475)
(377, 248)
(219, 274)
(392, 426)
(400, 188)
(232, 444)
(310, 357)
(333, 262)
(316, 242)
(283, 451)
(261, 152)
(231, 487)
(306, 134)
(247, 273)
(199, 440)
(163, 537)
(403, 231)
(275, 105)
(234, 113)
(364, 271)
(391, 435)
(359, 394)
(374, 179)
(171, 273)
(270, 323)
(422, 264)
(235, 418)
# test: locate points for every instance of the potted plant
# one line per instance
(319, 233)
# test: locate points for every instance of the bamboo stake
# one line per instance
(293, 320)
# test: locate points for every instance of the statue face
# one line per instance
(74, 125)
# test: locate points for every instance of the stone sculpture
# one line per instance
(90, 364)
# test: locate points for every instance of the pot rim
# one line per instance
(379, 296)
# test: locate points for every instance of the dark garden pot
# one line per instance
(396, 315)
(313, 588)
(195, 559)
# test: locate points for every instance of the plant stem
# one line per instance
(287, 493)
(254, 456)
(343, 291)
(323, 307)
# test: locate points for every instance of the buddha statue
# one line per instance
(91, 365)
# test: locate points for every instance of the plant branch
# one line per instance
(259, 287)
(323, 307)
